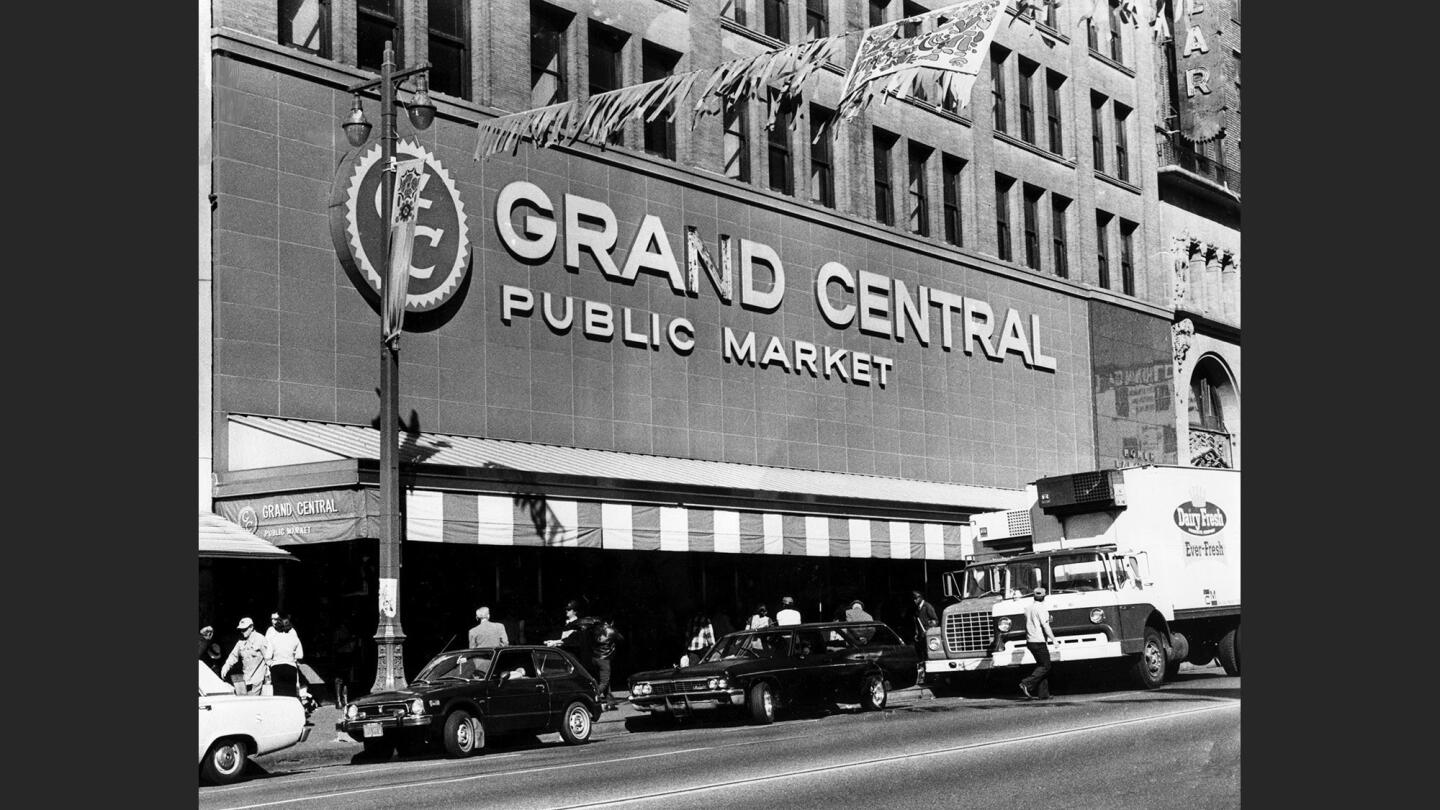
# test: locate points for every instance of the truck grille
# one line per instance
(968, 632)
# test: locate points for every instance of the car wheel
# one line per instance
(873, 694)
(575, 724)
(761, 703)
(1230, 652)
(225, 761)
(464, 735)
(1148, 671)
(379, 747)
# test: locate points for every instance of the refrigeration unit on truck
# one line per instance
(1142, 567)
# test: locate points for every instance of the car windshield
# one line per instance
(749, 645)
(458, 666)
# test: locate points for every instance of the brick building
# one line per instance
(931, 306)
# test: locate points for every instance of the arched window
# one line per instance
(1211, 438)
(1206, 410)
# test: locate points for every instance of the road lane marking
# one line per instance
(296, 775)
(892, 758)
(471, 777)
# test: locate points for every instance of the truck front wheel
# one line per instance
(1148, 672)
(1230, 652)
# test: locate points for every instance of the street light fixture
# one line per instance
(389, 638)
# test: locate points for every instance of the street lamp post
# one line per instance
(389, 637)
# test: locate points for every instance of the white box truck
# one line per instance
(1142, 567)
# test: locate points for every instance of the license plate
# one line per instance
(374, 730)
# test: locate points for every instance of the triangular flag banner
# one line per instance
(404, 207)
(958, 43)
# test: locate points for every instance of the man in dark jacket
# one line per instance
(922, 618)
(577, 636)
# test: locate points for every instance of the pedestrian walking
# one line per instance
(284, 657)
(487, 633)
(1038, 637)
(788, 614)
(607, 638)
(249, 654)
(760, 619)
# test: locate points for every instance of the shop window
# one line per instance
(658, 63)
(1053, 96)
(377, 21)
(822, 160)
(777, 19)
(1002, 216)
(951, 169)
(1031, 223)
(1060, 250)
(305, 24)
(917, 193)
(781, 162)
(548, 79)
(606, 48)
(737, 141)
(884, 201)
(449, 45)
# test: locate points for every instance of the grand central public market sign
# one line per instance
(870, 302)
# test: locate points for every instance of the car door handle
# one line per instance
(207, 707)
(539, 687)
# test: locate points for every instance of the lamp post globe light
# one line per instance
(389, 638)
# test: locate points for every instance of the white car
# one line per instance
(234, 727)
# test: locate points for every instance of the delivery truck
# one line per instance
(1142, 567)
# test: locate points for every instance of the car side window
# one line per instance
(516, 664)
(836, 642)
(808, 643)
(777, 645)
(554, 665)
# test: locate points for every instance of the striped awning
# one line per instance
(221, 538)
(505, 520)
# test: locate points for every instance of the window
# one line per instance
(1051, 17)
(877, 12)
(1002, 216)
(777, 19)
(1115, 28)
(606, 45)
(912, 29)
(884, 202)
(1122, 154)
(548, 83)
(305, 24)
(1097, 131)
(817, 23)
(449, 47)
(1206, 410)
(1053, 82)
(822, 160)
(951, 168)
(1092, 34)
(1127, 256)
(782, 178)
(737, 141)
(997, 87)
(1060, 253)
(734, 10)
(657, 63)
(376, 22)
(918, 215)
(1102, 248)
(1032, 227)
(1027, 99)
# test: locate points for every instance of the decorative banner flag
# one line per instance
(404, 208)
(958, 44)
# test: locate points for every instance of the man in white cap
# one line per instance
(788, 614)
(250, 653)
(1037, 637)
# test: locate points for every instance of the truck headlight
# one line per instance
(934, 642)
(1096, 616)
(1003, 625)
(351, 711)
(416, 706)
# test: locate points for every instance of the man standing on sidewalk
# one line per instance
(487, 633)
(1038, 636)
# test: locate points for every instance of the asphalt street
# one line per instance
(1095, 746)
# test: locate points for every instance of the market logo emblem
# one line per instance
(441, 256)
(1199, 519)
(247, 519)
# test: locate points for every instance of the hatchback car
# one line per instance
(233, 727)
(461, 698)
(758, 672)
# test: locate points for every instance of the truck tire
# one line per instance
(1230, 651)
(1148, 671)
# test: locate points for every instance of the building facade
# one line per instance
(691, 371)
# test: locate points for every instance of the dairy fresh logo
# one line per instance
(1199, 519)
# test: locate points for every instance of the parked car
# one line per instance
(462, 698)
(235, 727)
(757, 672)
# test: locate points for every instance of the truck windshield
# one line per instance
(1060, 573)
